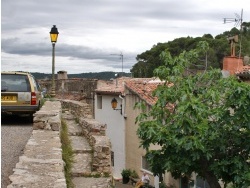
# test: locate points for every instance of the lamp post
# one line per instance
(53, 36)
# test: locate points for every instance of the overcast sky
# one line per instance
(91, 30)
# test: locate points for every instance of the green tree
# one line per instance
(201, 122)
(148, 61)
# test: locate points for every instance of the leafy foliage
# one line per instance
(201, 121)
(126, 172)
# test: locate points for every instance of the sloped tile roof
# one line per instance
(144, 89)
(116, 86)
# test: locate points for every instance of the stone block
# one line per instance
(55, 123)
(38, 125)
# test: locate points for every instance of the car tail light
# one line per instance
(33, 98)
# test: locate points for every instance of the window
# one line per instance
(112, 158)
(99, 102)
(201, 183)
(145, 164)
(34, 83)
(15, 83)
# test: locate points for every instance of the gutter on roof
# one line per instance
(108, 92)
(244, 74)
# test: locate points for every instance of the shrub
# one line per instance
(126, 172)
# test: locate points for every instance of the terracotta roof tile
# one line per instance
(144, 89)
(116, 86)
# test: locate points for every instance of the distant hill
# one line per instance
(90, 75)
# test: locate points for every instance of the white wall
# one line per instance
(115, 130)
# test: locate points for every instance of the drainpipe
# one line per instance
(123, 106)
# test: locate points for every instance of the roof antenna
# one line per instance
(121, 57)
(238, 21)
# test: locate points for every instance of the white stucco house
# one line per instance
(114, 119)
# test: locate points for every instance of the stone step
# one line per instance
(66, 115)
(74, 129)
(81, 165)
(80, 144)
(81, 182)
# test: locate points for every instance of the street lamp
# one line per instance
(114, 105)
(53, 36)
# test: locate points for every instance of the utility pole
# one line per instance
(121, 56)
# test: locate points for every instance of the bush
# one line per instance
(162, 185)
(126, 172)
(134, 174)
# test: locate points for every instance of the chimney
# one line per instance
(232, 64)
(62, 75)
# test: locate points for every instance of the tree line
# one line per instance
(219, 48)
(91, 75)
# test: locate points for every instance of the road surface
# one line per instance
(15, 132)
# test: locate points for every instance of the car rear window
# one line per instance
(15, 83)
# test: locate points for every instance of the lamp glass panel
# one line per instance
(53, 37)
(114, 104)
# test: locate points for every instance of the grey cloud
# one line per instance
(25, 26)
(110, 13)
(15, 46)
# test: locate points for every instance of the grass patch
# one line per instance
(67, 154)
(77, 120)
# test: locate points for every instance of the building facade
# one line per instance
(114, 119)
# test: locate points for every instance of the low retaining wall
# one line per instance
(78, 109)
(41, 165)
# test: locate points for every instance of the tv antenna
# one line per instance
(121, 57)
(238, 21)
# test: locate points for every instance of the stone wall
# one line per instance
(79, 88)
(48, 117)
(77, 108)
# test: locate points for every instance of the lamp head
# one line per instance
(114, 103)
(54, 34)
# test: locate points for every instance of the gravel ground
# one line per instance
(15, 132)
